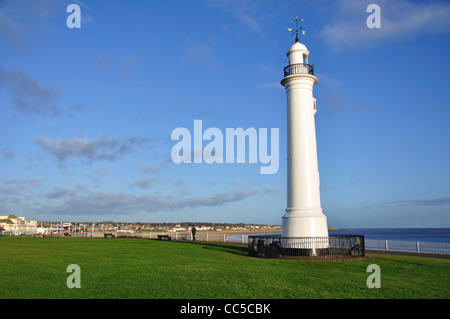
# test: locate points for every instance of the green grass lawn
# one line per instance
(138, 268)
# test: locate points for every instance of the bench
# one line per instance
(109, 235)
(164, 237)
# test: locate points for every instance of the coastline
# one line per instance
(235, 232)
(242, 231)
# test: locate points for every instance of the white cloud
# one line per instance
(8, 29)
(198, 53)
(60, 192)
(244, 10)
(8, 154)
(100, 148)
(440, 201)
(29, 96)
(79, 203)
(146, 182)
(17, 190)
(400, 19)
(34, 182)
(155, 169)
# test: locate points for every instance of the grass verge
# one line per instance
(135, 268)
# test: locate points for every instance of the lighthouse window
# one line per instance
(305, 59)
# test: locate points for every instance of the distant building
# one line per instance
(18, 226)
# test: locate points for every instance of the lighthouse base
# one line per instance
(303, 252)
(337, 247)
(304, 225)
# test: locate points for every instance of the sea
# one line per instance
(430, 235)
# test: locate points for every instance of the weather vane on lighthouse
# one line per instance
(297, 29)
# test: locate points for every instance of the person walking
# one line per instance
(193, 232)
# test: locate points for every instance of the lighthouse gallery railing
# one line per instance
(299, 68)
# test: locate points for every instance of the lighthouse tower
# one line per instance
(304, 217)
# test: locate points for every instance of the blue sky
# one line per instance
(87, 114)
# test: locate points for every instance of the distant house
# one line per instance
(18, 225)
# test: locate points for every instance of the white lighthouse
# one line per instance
(304, 217)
